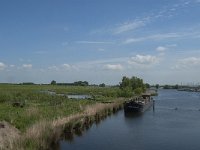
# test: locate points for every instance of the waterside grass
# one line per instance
(46, 134)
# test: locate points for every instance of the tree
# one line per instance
(81, 83)
(125, 82)
(138, 91)
(126, 92)
(102, 85)
(166, 87)
(129, 85)
(147, 85)
(53, 82)
(157, 86)
(176, 86)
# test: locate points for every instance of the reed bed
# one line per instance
(46, 134)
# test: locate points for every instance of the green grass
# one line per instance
(41, 106)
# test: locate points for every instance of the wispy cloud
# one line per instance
(129, 26)
(63, 67)
(152, 37)
(103, 61)
(169, 11)
(94, 42)
(122, 27)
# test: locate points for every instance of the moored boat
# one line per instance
(139, 104)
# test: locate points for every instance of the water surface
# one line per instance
(174, 125)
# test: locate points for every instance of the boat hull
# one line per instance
(132, 106)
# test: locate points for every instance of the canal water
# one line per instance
(174, 125)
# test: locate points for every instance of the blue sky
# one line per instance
(100, 41)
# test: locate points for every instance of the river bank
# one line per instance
(45, 134)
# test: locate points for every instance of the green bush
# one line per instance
(138, 91)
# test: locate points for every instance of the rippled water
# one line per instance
(174, 125)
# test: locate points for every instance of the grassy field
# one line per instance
(43, 106)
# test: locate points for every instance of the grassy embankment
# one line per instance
(43, 115)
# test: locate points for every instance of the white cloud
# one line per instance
(66, 66)
(143, 59)
(27, 66)
(129, 26)
(93, 42)
(2, 66)
(161, 48)
(116, 67)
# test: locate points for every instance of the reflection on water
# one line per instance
(132, 115)
(69, 136)
(165, 128)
